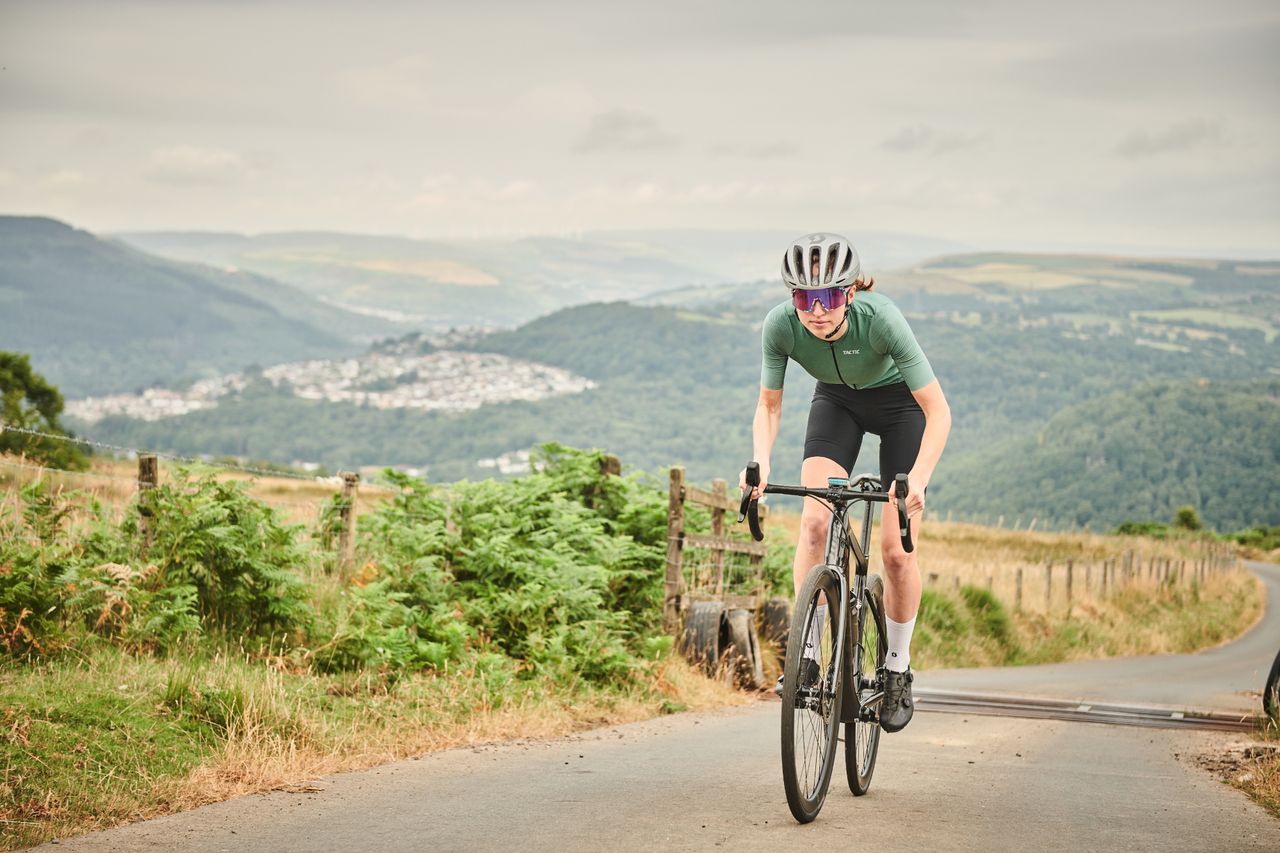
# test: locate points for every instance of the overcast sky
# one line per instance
(1113, 125)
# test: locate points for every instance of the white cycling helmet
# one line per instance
(837, 260)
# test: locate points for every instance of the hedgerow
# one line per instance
(557, 574)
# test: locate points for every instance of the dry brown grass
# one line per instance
(1253, 767)
(418, 719)
(1260, 778)
(954, 554)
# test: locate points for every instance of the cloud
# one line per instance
(621, 131)
(400, 83)
(558, 100)
(64, 179)
(189, 165)
(434, 191)
(929, 140)
(1183, 136)
(516, 189)
(757, 151)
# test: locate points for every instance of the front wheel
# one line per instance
(862, 738)
(811, 690)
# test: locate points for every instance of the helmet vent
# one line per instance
(833, 254)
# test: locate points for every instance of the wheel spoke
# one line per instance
(810, 722)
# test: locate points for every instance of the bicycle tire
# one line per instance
(1271, 693)
(862, 739)
(811, 716)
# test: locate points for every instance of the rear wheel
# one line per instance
(862, 738)
(811, 695)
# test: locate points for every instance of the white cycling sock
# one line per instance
(812, 643)
(899, 644)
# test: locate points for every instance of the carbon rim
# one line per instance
(867, 734)
(811, 709)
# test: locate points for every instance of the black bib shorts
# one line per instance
(840, 416)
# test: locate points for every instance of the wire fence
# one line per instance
(133, 452)
(345, 492)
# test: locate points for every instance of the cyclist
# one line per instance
(872, 377)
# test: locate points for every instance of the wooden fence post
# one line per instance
(347, 522)
(1017, 590)
(1070, 570)
(1105, 566)
(1088, 580)
(675, 545)
(718, 488)
(148, 477)
(1048, 585)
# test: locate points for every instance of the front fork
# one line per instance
(856, 704)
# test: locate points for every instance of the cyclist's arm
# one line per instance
(937, 426)
(764, 427)
(764, 431)
(776, 344)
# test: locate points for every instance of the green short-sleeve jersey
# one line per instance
(877, 347)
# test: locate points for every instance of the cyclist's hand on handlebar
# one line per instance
(915, 497)
(764, 481)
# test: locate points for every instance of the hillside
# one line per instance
(678, 384)
(1135, 455)
(97, 316)
(436, 284)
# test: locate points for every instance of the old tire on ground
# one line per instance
(743, 650)
(701, 640)
(775, 624)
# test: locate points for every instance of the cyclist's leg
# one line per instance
(831, 443)
(900, 423)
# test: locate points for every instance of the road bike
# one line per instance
(833, 674)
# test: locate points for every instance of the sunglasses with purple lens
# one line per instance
(830, 297)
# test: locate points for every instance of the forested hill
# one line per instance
(1015, 341)
(1136, 455)
(97, 316)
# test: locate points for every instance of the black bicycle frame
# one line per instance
(840, 546)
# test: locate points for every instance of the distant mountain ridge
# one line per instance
(98, 316)
(446, 283)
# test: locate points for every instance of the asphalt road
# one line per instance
(702, 781)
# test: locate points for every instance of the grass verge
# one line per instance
(92, 741)
(1252, 767)
(972, 627)
(1259, 777)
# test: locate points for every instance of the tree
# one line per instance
(1186, 518)
(27, 401)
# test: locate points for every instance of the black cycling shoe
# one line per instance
(898, 706)
(809, 674)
